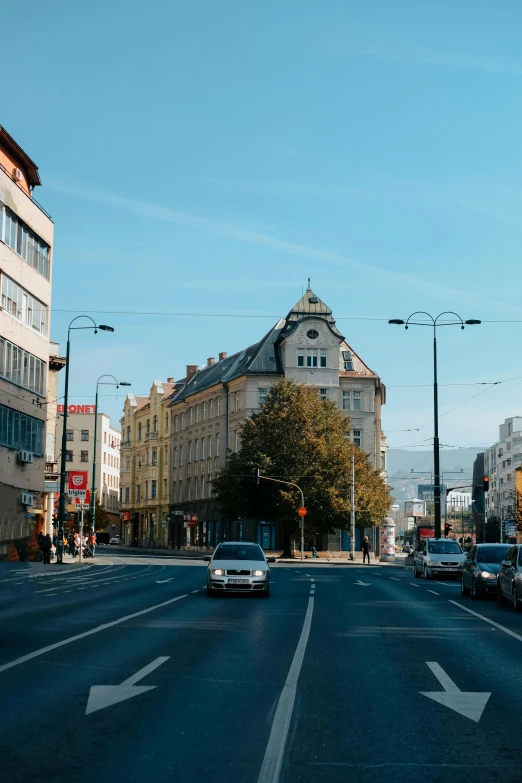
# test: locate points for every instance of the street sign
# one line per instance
(301, 511)
(168, 518)
(52, 486)
(77, 493)
(77, 479)
(178, 513)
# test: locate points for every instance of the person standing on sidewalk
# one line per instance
(366, 549)
(92, 542)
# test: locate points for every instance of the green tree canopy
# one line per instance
(299, 437)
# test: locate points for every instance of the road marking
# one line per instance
(466, 703)
(101, 696)
(275, 748)
(162, 581)
(195, 591)
(43, 650)
(487, 620)
(414, 585)
(395, 579)
(434, 592)
(362, 584)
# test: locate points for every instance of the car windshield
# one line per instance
(238, 552)
(492, 554)
(444, 548)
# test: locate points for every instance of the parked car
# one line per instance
(238, 567)
(510, 578)
(480, 569)
(115, 540)
(438, 557)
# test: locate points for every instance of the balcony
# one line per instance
(151, 436)
(51, 471)
(125, 444)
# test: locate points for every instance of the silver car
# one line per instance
(238, 567)
(510, 578)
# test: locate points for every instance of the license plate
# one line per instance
(238, 581)
(450, 569)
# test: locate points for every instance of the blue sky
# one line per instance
(209, 157)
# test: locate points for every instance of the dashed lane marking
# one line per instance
(434, 592)
(414, 585)
(395, 579)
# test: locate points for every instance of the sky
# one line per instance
(208, 157)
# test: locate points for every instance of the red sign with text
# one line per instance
(77, 408)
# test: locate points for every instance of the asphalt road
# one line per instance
(326, 680)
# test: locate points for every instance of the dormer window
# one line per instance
(312, 334)
(347, 358)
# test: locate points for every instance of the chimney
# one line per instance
(170, 380)
(222, 355)
(211, 361)
(191, 370)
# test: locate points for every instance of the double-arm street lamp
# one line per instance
(99, 382)
(63, 465)
(434, 322)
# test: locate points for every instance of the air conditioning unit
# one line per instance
(25, 456)
(26, 498)
(17, 174)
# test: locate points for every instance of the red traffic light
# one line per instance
(486, 483)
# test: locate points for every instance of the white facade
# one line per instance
(500, 462)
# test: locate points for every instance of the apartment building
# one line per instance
(80, 452)
(500, 463)
(145, 463)
(26, 239)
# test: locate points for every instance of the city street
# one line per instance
(345, 673)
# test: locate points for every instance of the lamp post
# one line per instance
(61, 504)
(436, 447)
(99, 382)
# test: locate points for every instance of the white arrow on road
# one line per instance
(363, 584)
(467, 703)
(101, 696)
(162, 581)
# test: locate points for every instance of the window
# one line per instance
(347, 359)
(85, 434)
(181, 455)
(300, 357)
(323, 357)
(180, 491)
(210, 445)
(383, 460)
(146, 490)
(205, 411)
(196, 449)
(166, 422)
(139, 431)
(203, 443)
(261, 396)
(211, 409)
(69, 435)
(154, 456)
(219, 406)
(508, 445)
(189, 482)
(21, 305)
(174, 457)
(174, 492)
(196, 487)
(164, 489)
(147, 427)
(217, 446)
(182, 421)
(22, 368)
(356, 438)
(191, 419)
(127, 494)
(346, 400)
(138, 492)
(105, 437)
(166, 454)
(311, 357)
(202, 487)
(237, 401)
(323, 394)
(68, 456)
(84, 456)
(312, 334)
(128, 463)
(153, 490)
(104, 458)
(357, 401)
(177, 423)
(23, 241)
(190, 451)
(20, 431)
(198, 413)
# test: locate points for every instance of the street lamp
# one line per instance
(99, 382)
(436, 448)
(61, 504)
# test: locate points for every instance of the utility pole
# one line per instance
(352, 511)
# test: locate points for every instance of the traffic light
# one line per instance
(447, 528)
(486, 483)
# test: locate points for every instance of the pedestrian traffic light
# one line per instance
(486, 483)
(447, 528)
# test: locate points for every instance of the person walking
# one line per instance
(366, 549)
(76, 544)
(46, 548)
(92, 542)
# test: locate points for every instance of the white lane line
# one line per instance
(487, 620)
(195, 591)
(275, 748)
(395, 579)
(43, 650)
(434, 592)
(414, 585)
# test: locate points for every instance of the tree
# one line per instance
(301, 438)
(102, 518)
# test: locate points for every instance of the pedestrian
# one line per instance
(76, 544)
(366, 549)
(40, 545)
(46, 548)
(92, 542)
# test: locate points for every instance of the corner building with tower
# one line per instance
(201, 416)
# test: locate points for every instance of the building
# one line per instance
(26, 240)
(145, 454)
(201, 416)
(500, 463)
(80, 453)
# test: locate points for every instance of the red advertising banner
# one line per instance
(77, 479)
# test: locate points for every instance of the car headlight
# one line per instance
(432, 563)
(258, 573)
(487, 575)
(218, 572)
